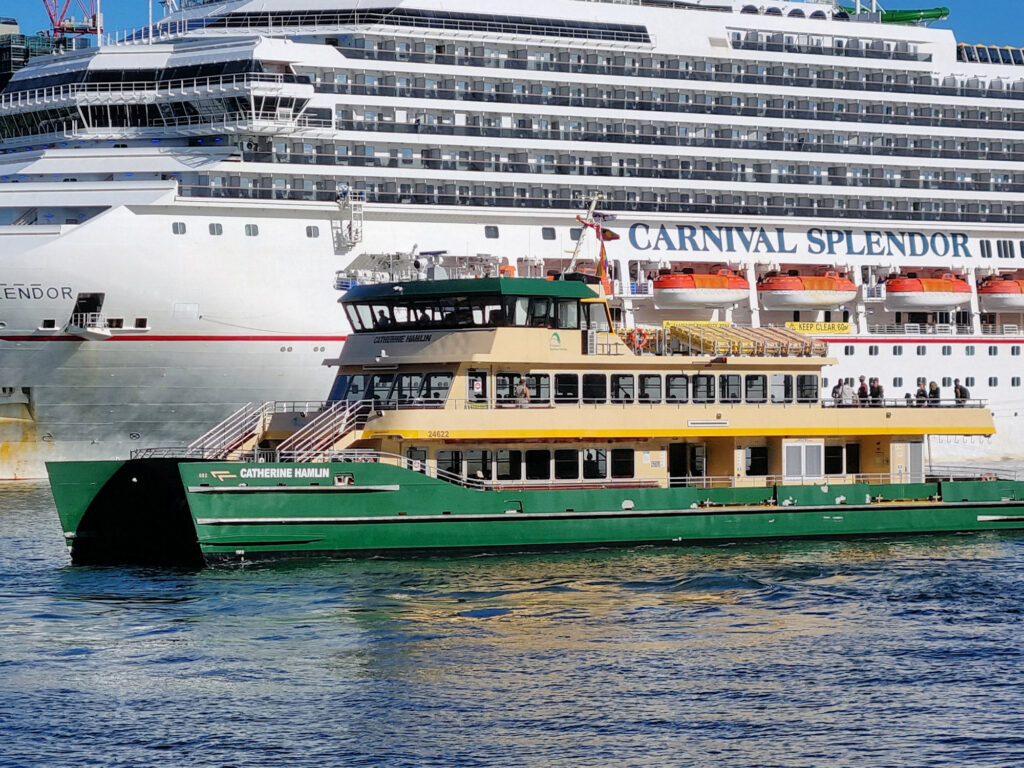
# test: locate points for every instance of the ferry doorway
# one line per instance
(687, 464)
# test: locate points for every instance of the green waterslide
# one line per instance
(906, 17)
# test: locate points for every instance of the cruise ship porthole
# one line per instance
(134, 436)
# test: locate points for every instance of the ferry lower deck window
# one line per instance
(782, 388)
(835, 460)
(729, 388)
(756, 385)
(595, 388)
(547, 233)
(853, 458)
(622, 388)
(216, 229)
(567, 464)
(677, 388)
(756, 461)
(417, 459)
(567, 388)
(312, 232)
(538, 465)
(178, 227)
(703, 388)
(807, 388)
(478, 465)
(509, 465)
(623, 463)
(491, 232)
(450, 462)
(595, 463)
(649, 390)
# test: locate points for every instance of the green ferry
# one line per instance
(507, 413)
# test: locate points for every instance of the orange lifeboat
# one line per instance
(913, 292)
(1001, 293)
(795, 291)
(689, 289)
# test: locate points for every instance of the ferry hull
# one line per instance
(189, 513)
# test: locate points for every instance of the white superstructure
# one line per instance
(174, 205)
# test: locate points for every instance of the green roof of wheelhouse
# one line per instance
(487, 286)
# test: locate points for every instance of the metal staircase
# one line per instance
(238, 433)
(350, 204)
(324, 433)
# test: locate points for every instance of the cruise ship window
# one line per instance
(947, 381)
(538, 465)
(650, 388)
(216, 229)
(969, 351)
(922, 350)
(595, 463)
(1015, 350)
(491, 232)
(677, 388)
(969, 381)
(947, 350)
(873, 350)
(575, 232)
(993, 381)
(1015, 381)
(623, 463)
(178, 227)
(252, 230)
(547, 233)
(897, 350)
(848, 350)
(993, 350)
(141, 322)
(313, 232)
(835, 460)
(897, 381)
(49, 323)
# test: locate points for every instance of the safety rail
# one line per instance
(232, 433)
(323, 432)
(953, 472)
(87, 320)
(907, 401)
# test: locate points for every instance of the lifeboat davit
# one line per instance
(1001, 293)
(913, 292)
(794, 291)
(689, 289)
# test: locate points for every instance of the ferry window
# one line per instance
(897, 381)
(312, 232)
(379, 386)
(417, 459)
(567, 388)
(848, 350)
(547, 233)
(897, 350)
(476, 386)
(1015, 381)
(252, 230)
(993, 351)
(622, 388)
(1015, 351)
(947, 350)
(449, 462)
(969, 350)
(835, 460)
(381, 316)
(568, 315)
(993, 381)
(650, 388)
(178, 227)
(216, 229)
(782, 388)
(478, 465)
(356, 388)
(539, 385)
(807, 388)
(538, 465)
(921, 349)
(756, 388)
(969, 381)
(435, 387)
(703, 388)
(947, 381)
(505, 388)
(338, 388)
(677, 388)
(729, 388)
(517, 310)
(756, 461)
(407, 388)
(595, 463)
(597, 316)
(873, 350)
(595, 388)
(802, 460)
(622, 463)
(509, 465)
(359, 317)
(567, 465)
(540, 313)
(491, 232)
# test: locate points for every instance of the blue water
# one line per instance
(899, 652)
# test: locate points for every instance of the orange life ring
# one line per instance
(639, 338)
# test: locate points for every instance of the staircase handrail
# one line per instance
(219, 441)
(323, 431)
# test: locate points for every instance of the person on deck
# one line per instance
(961, 393)
(934, 395)
(863, 392)
(922, 394)
(522, 393)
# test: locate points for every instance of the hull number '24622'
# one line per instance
(438, 433)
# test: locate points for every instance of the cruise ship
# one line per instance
(176, 205)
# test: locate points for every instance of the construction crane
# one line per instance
(66, 27)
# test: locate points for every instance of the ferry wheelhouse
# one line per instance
(498, 413)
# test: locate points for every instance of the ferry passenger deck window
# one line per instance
(807, 388)
(756, 388)
(567, 388)
(449, 462)
(595, 388)
(407, 388)
(338, 388)
(538, 465)
(756, 461)
(567, 464)
(622, 388)
(539, 385)
(478, 465)
(650, 388)
(677, 388)
(540, 313)
(782, 388)
(476, 386)
(623, 463)
(435, 387)
(703, 388)
(568, 314)
(595, 464)
(729, 388)
(509, 465)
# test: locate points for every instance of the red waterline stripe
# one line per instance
(146, 337)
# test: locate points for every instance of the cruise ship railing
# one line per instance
(232, 433)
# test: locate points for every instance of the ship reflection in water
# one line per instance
(762, 654)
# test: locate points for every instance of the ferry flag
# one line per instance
(607, 235)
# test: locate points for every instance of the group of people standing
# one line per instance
(933, 395)
(870, 393)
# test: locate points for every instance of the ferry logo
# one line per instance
(555, 342)
(222, 474)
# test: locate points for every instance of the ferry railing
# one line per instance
(953, 472)
(231, 434)
(907, 401)
(322, 433)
